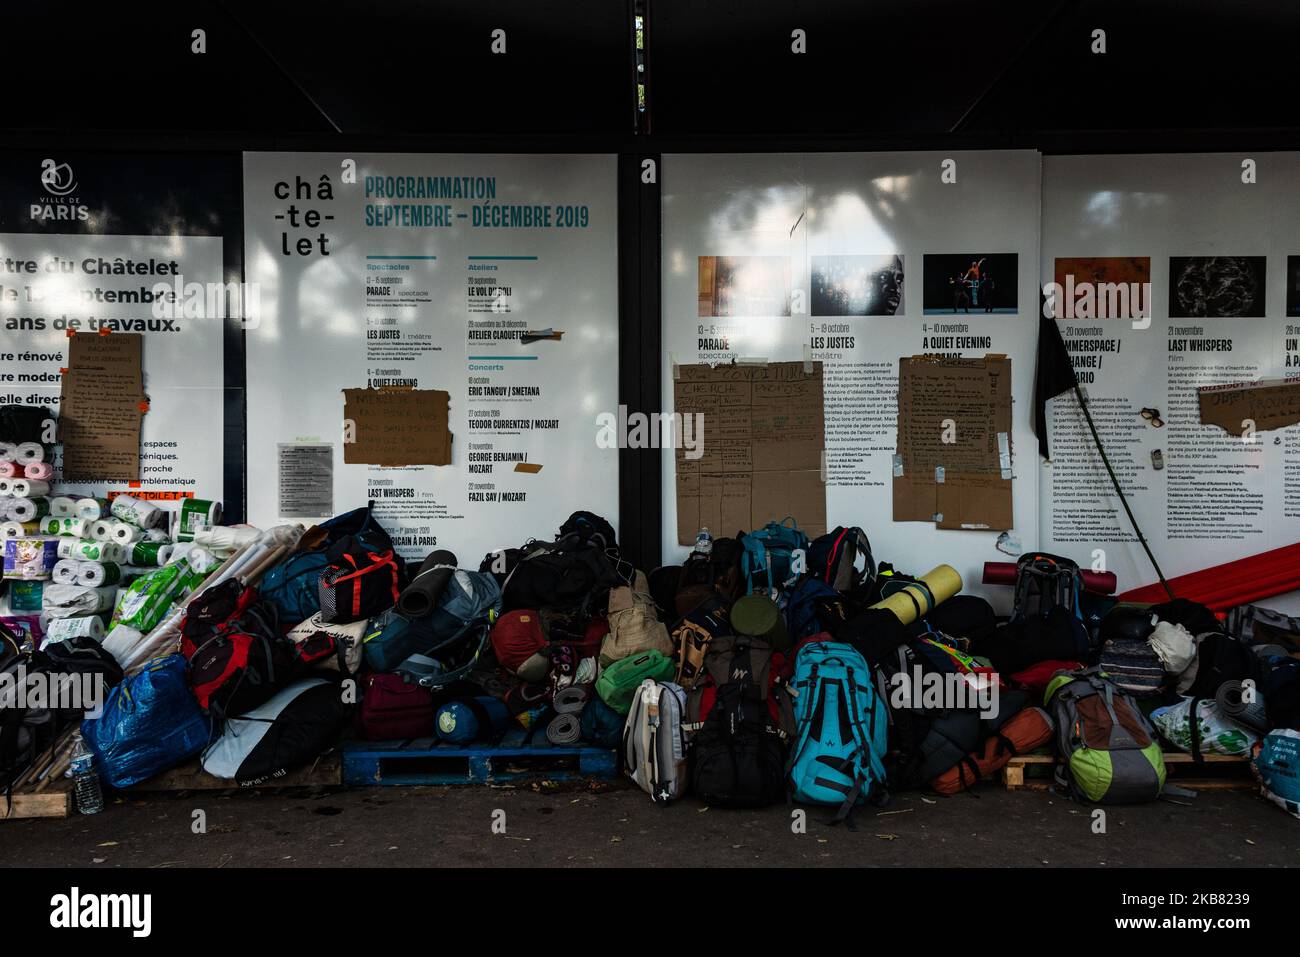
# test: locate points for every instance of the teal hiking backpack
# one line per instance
(767, 555)
(841, 729)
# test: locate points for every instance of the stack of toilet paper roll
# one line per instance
(24, 487)
(137, 512)
(20, 455)
(69, 571)
(62, 629)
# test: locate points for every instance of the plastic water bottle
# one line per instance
(85, 780)
(704, 543)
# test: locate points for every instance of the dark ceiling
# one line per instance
(719, 70)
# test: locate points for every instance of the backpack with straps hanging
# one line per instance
(767, 556)
(654, 741)
(359, 582)
(841, 729)
(833, 560)
(572, 573)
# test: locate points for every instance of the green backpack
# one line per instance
(618, 683)
(1110, 752)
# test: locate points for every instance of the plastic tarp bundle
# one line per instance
(1218, 735)
(150, 723)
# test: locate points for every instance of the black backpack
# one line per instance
(77, 657)
(833, 559)
(590, 527)
(705, 576)
(1044, 582)
(570, 573)
(25, 733)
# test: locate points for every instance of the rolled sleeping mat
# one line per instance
(460, 722)
(28, 509)
(565, 729)
(420, 597)
(1252, 714)
(29, 488)
(38, 470)
(91, 509)
(63, 506)
(89, 626)
(917, 599)
(571, 700)
(65, 527)
(25, 453)
(1004, 573)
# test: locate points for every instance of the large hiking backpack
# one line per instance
(591, 528)
(1109, 750)
(570, 573)
(768, 554)
(841, 729)
(715, 575)
(654, 741)
(740, 719)
(807, 607)
(833, 560)
(1044, 582)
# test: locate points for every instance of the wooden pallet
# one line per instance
(324, 772)
(1015, 779)
(56, 801)
(430, 761)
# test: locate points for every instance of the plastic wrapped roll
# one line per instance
(30, 488)
(98, 574)
(83, 550)
(63, 506)
(13, 529)
(917, 599)
(39, 470)
(121, 642)
(101, 531)
(88, 626)
(91, 509)
(148, 553)
(201, 560)
(137, 512)
(28, 509)
(126, 534)
(223, 539)
(65, 571)
(196, 514)
(158, 535)
(7, 450)
(67, 527)
(29, 559)
(7, 487)
(25, 453)
(11, 469)
(420, 597)
(1251, 714)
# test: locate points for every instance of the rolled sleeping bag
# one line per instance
(1004, 573)
(460, 722)
(29, 488)
(38, 470)
(91, 509)
(565, 729)
(917, 599)
(25, 453)
(1251, 714)
(420, 597)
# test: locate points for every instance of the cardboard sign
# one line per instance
(1269, 405)
(758, 457)
(101, 405)
(394, 427)
(953, 460)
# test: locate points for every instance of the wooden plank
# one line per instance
(1014, 778)
(56, 802)
(327, 772)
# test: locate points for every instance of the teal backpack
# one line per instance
(767, 554)
(841, 729)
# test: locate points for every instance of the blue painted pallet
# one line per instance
(431, 761)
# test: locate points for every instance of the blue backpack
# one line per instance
(801, 619)
(766, 555)
(293, 586)
(841, 729)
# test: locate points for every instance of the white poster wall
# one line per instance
(1215, 238)
(860, 259)
(430, 272)
(158, 286)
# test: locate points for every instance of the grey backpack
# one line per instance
(654, 741)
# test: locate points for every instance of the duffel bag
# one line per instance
(1023, 732)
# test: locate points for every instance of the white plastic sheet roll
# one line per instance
(25, 453)
(158, 534)
(63, 506)
(29, 488)
(89, 626)
(121, 642)
(7, 486)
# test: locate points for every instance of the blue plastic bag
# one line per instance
(1277, 768)
(150, 723)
